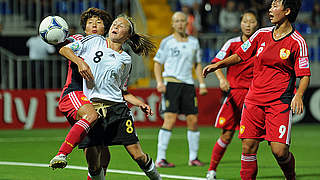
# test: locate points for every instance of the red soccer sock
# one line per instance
(76, 134)
(217, 154)
(287, 166)
(88, 177)
(249, 166)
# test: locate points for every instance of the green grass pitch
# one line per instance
(39, 146)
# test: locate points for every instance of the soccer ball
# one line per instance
(53, 29)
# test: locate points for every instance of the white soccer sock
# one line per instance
(100, 176)
(163, 141)
(193, 141)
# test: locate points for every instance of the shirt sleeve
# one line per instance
(224, 52)
(161, 54)
(248, 48)
(77, 47)
(301, 59)
(125, 77)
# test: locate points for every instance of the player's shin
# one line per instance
(217, 154)
(96, 174)
(76, 134)
(288, 167)
(249, 166)
(149, 168)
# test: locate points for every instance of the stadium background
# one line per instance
(29, 90)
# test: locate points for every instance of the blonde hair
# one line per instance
(140, 44)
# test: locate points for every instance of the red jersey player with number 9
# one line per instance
(281, 56)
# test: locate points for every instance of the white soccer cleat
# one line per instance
(59, 161)
(211, 175)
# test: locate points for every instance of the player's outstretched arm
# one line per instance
(229, 61)
(130, 98)
(83, 67)
(297, 103)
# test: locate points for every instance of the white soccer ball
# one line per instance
(53, 29)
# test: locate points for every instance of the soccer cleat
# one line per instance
(196, 162)
(164, 164)
(59, 161)
(211, 175)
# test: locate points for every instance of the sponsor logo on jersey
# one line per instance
(242, 128)
(75, 46)
(222, 120)
(83, 98)
(221, 55)
(284, 53)
(303, 62)
(245, 46)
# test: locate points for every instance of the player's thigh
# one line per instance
(69, 105)
(88, 112)
(229, 115)
(278, 123)
(122, 130)
(171, 98)
(189, 101)
(252, 125)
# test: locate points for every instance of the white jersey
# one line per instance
(178, 57)
(109, 68)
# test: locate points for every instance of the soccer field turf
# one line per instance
(39, 146)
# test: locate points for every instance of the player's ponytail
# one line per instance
(139, 43)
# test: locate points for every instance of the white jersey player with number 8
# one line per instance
(110, 67)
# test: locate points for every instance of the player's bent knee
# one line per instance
(280, 154)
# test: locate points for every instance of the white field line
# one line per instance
(109, 170)
(43, 139)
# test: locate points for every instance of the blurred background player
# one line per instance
(178, 52)
(281, 56)
(108, 92)
(236, 86)
(73, 103)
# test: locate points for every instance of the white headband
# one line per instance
(131, 26)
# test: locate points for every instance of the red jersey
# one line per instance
(74, 80)
(276, 66)
(239, 75)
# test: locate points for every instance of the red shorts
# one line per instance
(271, 123)
(229, 115)
(70, 104)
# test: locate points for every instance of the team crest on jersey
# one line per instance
(284, 53)
(75, 46)
(303, 62)
(83, 98)
(245, 46)
(175, 52)
(222, 120)
(242, 128)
